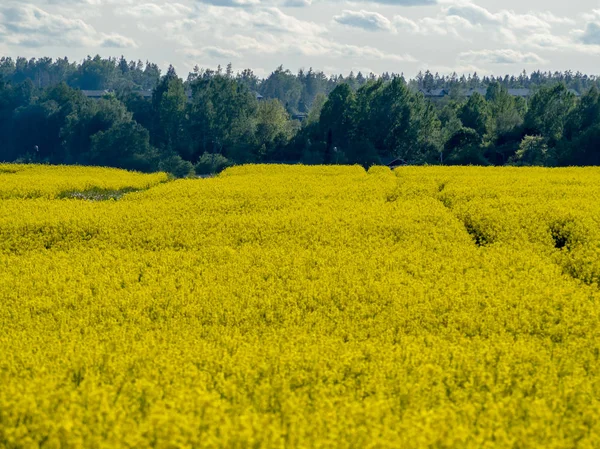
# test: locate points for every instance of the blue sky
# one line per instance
(331, 35)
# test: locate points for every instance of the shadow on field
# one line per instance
(97, 194)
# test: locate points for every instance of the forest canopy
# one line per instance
(127, 114)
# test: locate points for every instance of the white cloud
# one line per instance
(405, 24)
(235, 3)
(313, 46)
(266, 31)
(592, 16)
(370, 21)
(475, 14)
(116, 41)
(212, 52)
(590, 35)
(505, 56)
(373, 21)
(534, 29)
(297, 3)
(272, 19)
(268, 19)
(478, 15)
(149, 10)
(453, 34)
(74, 2)
(30, 26)
(406, 2)
(449, 25)
(248, 3)
(551, 18)
(179, 31)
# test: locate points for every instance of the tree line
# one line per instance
(577, 81)
(215, 118)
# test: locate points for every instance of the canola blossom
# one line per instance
(300, 307)
(44, 181)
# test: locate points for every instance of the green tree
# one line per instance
(399, 122)
(124, 145)
(315, 111)
(223, 118)
(581, 138)
(33, 132)
(584, 115)
(336, 121)
(548, 112)
(449, 120)
(169, 103)
(475, 114)
(533, 150)
(95, 74)
(464, 148)
(64, 101)
(273, 128)
(504, 110)
(283, 85)
(87, 119)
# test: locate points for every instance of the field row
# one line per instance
(305, 307)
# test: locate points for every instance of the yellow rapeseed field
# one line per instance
(300, 307)
(44, 181)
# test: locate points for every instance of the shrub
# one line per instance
(176, 166)
(211, 163)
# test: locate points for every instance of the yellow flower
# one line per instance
(300, 307)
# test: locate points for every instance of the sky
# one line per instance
(335, 36)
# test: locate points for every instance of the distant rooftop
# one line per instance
(102, 93)
(95, 93)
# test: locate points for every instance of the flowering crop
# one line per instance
(35, 181)
(301, 307)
